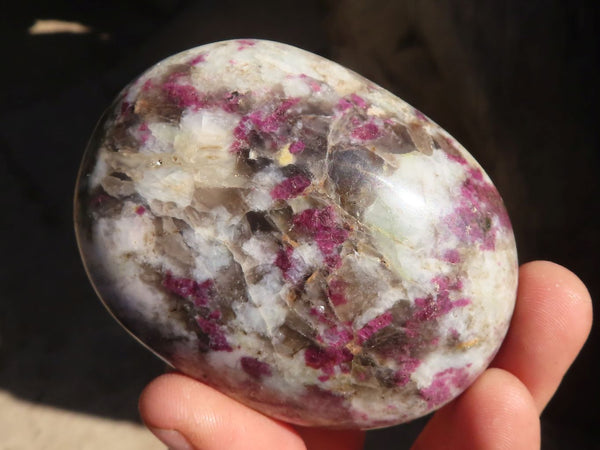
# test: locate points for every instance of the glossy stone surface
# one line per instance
(286, 231)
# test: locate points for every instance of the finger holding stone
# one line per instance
(552, 320)
(497, 411)
(188, 415)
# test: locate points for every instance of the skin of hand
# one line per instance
(500, 410)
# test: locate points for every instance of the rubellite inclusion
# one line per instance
(288, 232)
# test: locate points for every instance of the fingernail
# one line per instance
(172, 439)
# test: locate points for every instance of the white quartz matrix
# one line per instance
(295, 236)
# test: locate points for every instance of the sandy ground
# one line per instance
(25, 425)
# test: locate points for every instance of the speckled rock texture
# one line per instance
(290, 233)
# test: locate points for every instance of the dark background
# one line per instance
(516, 82)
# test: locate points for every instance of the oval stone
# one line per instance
(295, 236)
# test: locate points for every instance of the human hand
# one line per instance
(551, 322)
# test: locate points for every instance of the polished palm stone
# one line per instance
(292, 234)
